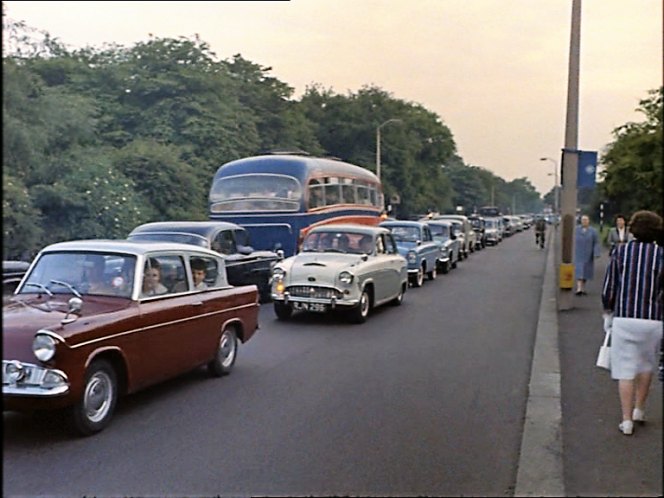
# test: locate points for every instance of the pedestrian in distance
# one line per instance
(540, 231)
(618, 234)
(586, 250)
(632, 302)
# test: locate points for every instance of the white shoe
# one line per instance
(626, 427)
(638, 415)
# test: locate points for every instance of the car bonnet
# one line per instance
(322, 267)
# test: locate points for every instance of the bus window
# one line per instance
(331, 191)
(256, 192)
(362, 192)
(347, 191)
(316, 193)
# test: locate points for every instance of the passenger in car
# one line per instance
(366, 244)
(198, 272)
(152, 285)
(95, 276)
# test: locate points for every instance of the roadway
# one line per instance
(424, 399)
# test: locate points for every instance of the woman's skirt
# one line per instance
(635, 345)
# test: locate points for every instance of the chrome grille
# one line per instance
(313, 291)
(32, 374)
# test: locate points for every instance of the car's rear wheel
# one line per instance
(360, 312)
(224, 358)
(399, 299)
(93, 412)
(283, 311)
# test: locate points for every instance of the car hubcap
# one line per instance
(97, 397)
(227, 348)
(364, 304)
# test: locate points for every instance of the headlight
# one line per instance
(345, 277)
(412, 257)
(43, 346)
(278, 273)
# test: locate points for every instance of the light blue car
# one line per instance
(415, 243)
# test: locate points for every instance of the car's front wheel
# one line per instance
(433, 273)
(283, 311)
(93, 412)
(446, 266)
(360, 312)
(224, 358)
(418, 280)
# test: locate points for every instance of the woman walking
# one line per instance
(586, 250)
(632, 295)
(619, 234)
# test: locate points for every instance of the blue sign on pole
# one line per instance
(587, 167)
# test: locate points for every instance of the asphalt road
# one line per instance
(424, 399)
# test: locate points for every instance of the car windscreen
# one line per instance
(440, 231)
(335, 241)
(405, 233)
(84, 273)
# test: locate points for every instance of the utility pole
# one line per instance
(570, 165)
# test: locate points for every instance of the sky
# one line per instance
(494, 71)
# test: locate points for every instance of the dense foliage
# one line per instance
(99, 140)
(633, 175)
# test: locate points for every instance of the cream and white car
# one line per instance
(341, 267)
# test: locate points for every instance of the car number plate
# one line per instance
(315, 307)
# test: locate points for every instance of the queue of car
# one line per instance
(92, 320)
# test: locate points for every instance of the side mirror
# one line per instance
(246, 250)
(280, 254)
(75, 305)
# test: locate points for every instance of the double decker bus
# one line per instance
(279, 197)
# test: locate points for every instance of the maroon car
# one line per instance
(95, 319)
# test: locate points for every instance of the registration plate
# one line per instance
(315, 307)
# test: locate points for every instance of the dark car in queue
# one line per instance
(244, 265)
(12, 273)
(96, 319)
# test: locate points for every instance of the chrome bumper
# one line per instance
(333, 302)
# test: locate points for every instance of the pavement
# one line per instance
(571, 445)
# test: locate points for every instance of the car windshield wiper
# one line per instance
(40, 286)
(332, 249)
(69, 286)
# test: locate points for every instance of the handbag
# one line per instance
(604, 355)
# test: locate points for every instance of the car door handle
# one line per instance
(197, 303)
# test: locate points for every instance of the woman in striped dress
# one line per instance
(632, 295)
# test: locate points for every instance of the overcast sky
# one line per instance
(495, 71)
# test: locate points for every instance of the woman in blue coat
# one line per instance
(586, 250)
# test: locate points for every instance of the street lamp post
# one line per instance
(555, 185)
(392, 120)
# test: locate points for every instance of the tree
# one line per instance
(632, 178)
(21, 229)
